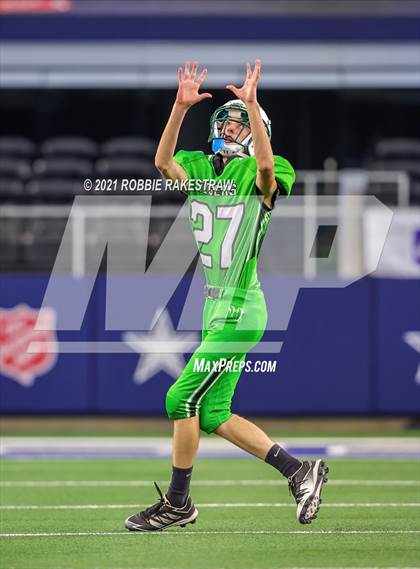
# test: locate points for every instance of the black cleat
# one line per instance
(306, 485)
(162, 515)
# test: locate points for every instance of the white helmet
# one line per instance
(233, 111)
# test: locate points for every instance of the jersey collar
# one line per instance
(217, 161)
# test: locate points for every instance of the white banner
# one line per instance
(400, 256)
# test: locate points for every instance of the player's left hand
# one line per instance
(248, 92)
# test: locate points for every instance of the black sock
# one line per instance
(179, 487)
(282, 460)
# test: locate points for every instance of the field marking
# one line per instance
(275, 482)
(300, 567)
(233, 532)
(210, 505)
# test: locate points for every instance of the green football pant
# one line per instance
(206, 386)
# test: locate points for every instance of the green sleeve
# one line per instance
(284, 173)
(189, 159)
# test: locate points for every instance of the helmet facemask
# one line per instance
(221, 142)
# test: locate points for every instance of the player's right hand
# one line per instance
(188, 86)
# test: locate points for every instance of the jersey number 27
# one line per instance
(206, 232)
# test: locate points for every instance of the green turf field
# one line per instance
(241, 525)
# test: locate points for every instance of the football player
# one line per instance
(229, 228)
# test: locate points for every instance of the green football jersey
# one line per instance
(227, 215)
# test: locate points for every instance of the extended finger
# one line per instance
(180, 77)
(233, 89)
(205, 96)
(202, 76)
(248, 71)
(187, 73)
(194, 69)
(257, 69)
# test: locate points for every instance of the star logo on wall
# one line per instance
(161, 349)
(413, 340)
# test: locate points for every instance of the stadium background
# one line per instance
(86, 88)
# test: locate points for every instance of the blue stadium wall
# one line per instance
(344, 353)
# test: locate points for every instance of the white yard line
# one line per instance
(244, 532)
(276, 482)
(211, 505)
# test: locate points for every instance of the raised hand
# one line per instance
(248, 92)
(188, 86)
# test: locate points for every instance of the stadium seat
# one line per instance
(16, 147)
(70, 146)
(397, 148)
(11, 189)
(13, 174)
(116, 167)
(129, 147)
(15, 167)
(53, 189)
(58, 179)
(76, 168)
